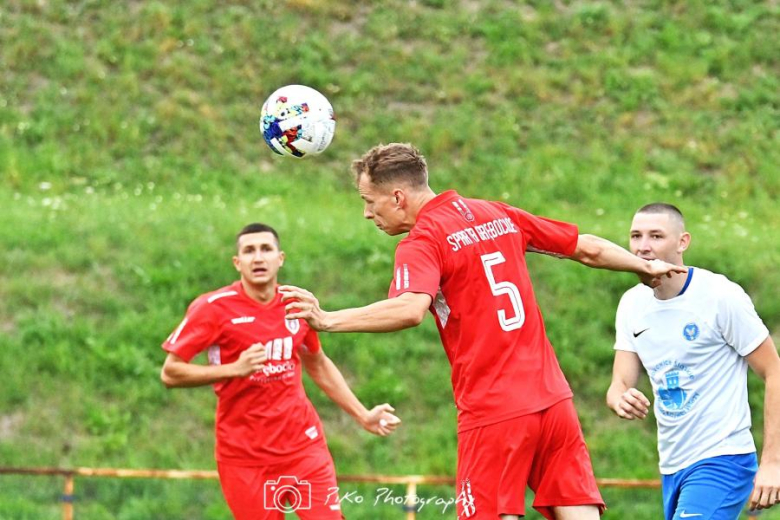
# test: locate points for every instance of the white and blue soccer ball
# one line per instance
(297, 121)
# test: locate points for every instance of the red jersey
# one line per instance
(265, 417)
(469, 256)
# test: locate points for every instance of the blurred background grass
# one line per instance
(130, 156)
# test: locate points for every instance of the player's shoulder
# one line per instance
(638, 292)
(716, 287)
(217, 296)
(715, 283)
(636, 296)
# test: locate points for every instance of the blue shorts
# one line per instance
(711, 489)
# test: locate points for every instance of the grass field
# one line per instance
(130, 156)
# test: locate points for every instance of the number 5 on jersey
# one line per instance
(504, 288)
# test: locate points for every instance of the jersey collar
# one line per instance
(687, 282)
(276, 299)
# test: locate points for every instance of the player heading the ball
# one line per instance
(464, 260)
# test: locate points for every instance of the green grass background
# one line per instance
(130, 156)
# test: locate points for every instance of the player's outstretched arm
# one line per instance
(379, 420)
(600, 253)
(765, 362)
(178, 373)
(623, 397)
(402, 312)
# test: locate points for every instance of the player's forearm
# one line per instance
(600, 253)
(384, 316)
(186, 375)
(771, 449)
(329, 378)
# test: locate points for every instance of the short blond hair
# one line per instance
(387, 163)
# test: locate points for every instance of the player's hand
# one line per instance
(380, 421)
(631, 405)
(302, 304)
(251, 360)
(766, 491)
(658, 269)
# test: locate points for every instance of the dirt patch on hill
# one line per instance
(9, 425)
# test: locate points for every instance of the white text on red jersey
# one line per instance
(481, 232)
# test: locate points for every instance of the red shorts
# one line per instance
(544, 450)
(306, 485)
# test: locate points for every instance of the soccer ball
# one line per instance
(297, 121)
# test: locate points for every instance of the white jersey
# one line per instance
(692, 347)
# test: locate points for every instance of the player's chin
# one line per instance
(260, 278)
(391, 231)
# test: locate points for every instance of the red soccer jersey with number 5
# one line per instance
(265, 417)
(469, 256)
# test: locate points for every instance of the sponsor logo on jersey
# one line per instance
(242, 319)
(293, 326)
(673, 399)
(691, 331)
(640, 332)
(275, 370)
(279, 349)
(312, 433)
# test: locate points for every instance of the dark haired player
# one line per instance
(695, 336)
(271, 451)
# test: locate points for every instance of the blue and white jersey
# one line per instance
(692, 347)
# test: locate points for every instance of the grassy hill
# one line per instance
(130, 156)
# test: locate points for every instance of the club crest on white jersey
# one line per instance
(691, 331)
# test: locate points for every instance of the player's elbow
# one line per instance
(414, 317)
(167, 378)
(589, 250)
(412, 309)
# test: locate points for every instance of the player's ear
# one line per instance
(236, 264)
(281, 258)
(399, 196)
(685, 241)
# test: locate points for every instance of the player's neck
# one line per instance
(419, 202)
(260, 293)
(671, 287)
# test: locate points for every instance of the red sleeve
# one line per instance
(544, 235)
(197, 332)
(311, 342)
(417, 268)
